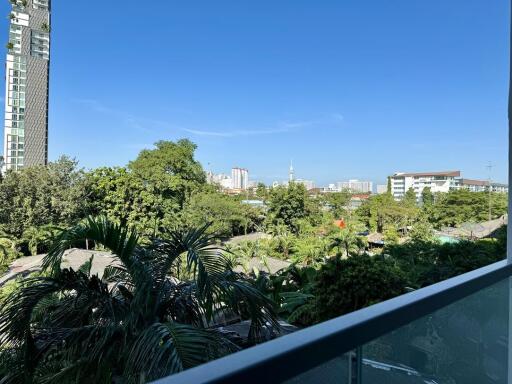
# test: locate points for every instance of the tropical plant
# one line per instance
(38, 239)
(346, 285)
(55, 194)
(245, 251)
(346, 241)
(8, 251)
(291, 289)
(310, 250)
(287, 205)
(137, 322)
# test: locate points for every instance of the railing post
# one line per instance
(355, 366)
(359, 364)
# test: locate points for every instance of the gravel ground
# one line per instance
(73, 258)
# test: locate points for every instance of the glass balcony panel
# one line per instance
(336, 371)
(463, 343)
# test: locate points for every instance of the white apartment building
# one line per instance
(330, 189)
(481, 186)
(499, 187)
(225, 181)
(356, 186)
(436, 181)
(240, 178)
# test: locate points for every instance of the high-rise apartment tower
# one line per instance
(240, 178)
(27, 74)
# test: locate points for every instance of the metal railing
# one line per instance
(289, 356)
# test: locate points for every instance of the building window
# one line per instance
(40, 45)
(40, 4)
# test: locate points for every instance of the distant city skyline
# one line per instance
(359, 184)
(261, 83)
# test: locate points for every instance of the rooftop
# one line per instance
(474, 182)
(426, 174)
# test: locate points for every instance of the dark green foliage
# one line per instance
(292, 290)
(170, 170)
(262, 191)
(37, 240)
(442, 209)
(427, 197)
(122, 197)
(457, 207)
(8, 251)
(288, 205)
(136, 323)
(427, 262)
(38, 196)
(229, 217)
(340, 286)
(345, 285)
(382, 211)
(151, 193)
(164, 187)
(337, 203)
(409, 199)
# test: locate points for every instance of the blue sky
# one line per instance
(347, 89)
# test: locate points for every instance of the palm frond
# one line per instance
(204, 261)
(84, 354)
(164, 349)
(179, 303)
(249, 302)
(120, 240)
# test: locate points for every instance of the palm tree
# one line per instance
(346, 241)
(310, 250)
(137, 322)
(40, 238)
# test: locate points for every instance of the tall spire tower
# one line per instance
(291, 174)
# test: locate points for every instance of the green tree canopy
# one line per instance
(409, 199)
(289, 204)
(170, 169)
(128, 200)
(338, 203)
(227, 214)
(382, 210)
(460, 206)
(345, 285)
(427, 197)
(41, 195)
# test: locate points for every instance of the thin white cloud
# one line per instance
(298, 124)
(152, 125)
(236, 133)
(127, 118)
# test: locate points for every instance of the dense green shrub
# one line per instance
(427, 263)
(346, 285)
